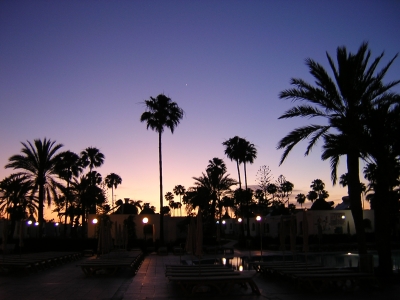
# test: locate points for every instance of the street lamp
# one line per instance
(258, 218)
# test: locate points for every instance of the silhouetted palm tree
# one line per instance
(272, 189)
(249, 155)
(16, 198)
(179, 190)
(39, 161)
(301, 198)
(169, 197)
(92, 157)
(312, 196)
(383, 172)
(112, 181)
(216, 183)
(68, 166)
(161, 112)
(87, 194)
(343, 104)
(234, 150)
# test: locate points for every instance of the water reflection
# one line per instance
(334, 260)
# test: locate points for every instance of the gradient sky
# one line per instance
(78, 72)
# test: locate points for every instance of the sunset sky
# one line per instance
(77, 72)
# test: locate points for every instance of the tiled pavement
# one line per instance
(69, 282)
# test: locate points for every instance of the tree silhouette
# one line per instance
(161, 112)
(38, 162)
(68, 166)
(301, 198)
(343, 102)
(112, 181)
(179, 190)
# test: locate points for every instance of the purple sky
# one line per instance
(78, 71)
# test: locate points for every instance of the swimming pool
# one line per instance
(328, 259)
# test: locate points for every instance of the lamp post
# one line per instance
(240, 224)
(56, 228)
(258, 218)
(94, 222)
(145, 221)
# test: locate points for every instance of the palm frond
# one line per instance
(294, 137)
(303, 111)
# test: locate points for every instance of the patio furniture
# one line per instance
(111, 263)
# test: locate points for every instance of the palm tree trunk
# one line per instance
(83, 220)
(161, 191)
(112, 196)
(66, 209)
(383, 210)
(245, 175)
(355, 201)
(247, 200)
(41, 208)
(240, 182)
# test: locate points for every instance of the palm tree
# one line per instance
(249, 155)
(16, 198)
(92, 157)
(137, 204)
(312, 196)
(212, 186)
(301, 198)
(272, 189)
(68, 166)
(38, 162)
(112, 180)
(383, 172)
(161, 112)
(169, 197)
(343, 105)
(179, 190)
(87, 194)
(234, 151)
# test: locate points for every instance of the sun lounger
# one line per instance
(111, 263)
(36, 261)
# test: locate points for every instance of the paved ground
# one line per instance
(69, 282)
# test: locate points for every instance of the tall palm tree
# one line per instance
(92, 157)
(179, 190)
(249, 155)
(234, 149)
(161, 113)
(67, 167)
(38, 162)
(342, 102)
(112, 181)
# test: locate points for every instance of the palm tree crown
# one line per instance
(92, 157)
(161, 112)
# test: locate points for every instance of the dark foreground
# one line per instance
(69, 282)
